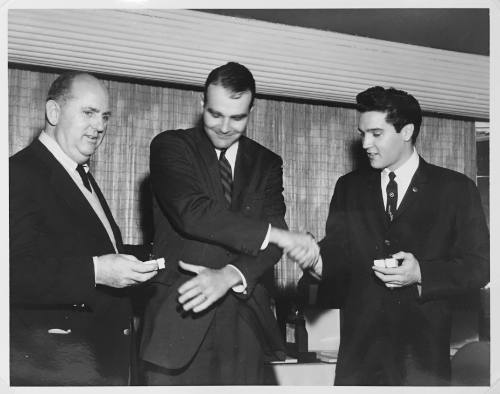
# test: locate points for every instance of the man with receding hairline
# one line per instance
(70, 312)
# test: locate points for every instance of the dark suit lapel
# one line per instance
(374, 202)
(209, 159)
(65, 187)
(107, 211)
(415, 189)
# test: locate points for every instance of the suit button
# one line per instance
(387, 242)
(247, 208)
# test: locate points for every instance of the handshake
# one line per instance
(300, 247)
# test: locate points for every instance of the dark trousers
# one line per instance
(230, 354)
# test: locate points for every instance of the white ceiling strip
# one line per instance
(182, 46)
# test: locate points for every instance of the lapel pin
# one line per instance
(414, 189)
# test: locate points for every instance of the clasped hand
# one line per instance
(208, 286)
(406, 274)
(300, 247)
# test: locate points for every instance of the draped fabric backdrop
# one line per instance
(318, 144)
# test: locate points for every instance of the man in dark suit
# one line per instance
(69, 309)
(219, 211)
(401, 238)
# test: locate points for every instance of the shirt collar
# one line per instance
(407, 170)
(230, 153)
(51, 144)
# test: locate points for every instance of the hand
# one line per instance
(208, 286)
(290, 240)
(406, 274)
(306, 258)
(122, 270)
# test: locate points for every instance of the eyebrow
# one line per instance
(370, 130)
(108, 113)
(214, 112)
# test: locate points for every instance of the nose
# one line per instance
(224, 128)
(99, 124)
(367, 139)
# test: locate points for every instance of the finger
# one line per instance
(203, 306)
(191, 293)
(198, 300)
(130, 257)
(401, 255)
(145, 267)
(190, 284)
(191, 267)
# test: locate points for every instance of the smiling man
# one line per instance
(401, 238)
(219, 212)
(69, 314)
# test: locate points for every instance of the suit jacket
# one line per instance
(192, 224)
(54, 232)
(394, 336)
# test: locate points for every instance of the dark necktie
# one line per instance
(392, 196)
(226, 176)
(84, 176)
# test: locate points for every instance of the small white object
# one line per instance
(391, 263)
(59, 331)
(160, 262)
(379, 263)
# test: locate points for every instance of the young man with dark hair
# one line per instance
(401, 238)
(219, 213)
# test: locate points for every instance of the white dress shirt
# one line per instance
(70, 167)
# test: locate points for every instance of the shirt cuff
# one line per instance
(266, 240)
(241, 288)
(316, 271)
(96, 261)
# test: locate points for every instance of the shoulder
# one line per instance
(172, 136)
(446, 177)
(27, 161)
(259, 151)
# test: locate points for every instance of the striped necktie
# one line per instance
(392, 197)
(226, 176)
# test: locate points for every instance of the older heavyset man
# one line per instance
(70, 311)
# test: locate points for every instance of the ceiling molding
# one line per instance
(182, 46)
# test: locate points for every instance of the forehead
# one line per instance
(89, 91)
(372, 120)
(220, 99)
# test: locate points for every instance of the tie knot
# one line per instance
(392, 175)
(81, 170)
(222, 153)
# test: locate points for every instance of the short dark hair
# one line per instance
(400, 107)
(60, 89)
(234, 77)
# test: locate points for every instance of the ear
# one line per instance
(202, 100)
(52, 112)
(407, 131)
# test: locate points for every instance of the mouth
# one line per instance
(372, 156)
(92, 139)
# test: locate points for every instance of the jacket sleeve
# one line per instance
(334, 250)
(466, 265)
(252, 267)
(35, 277)
(194, 213)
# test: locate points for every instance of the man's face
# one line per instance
(225, 115)
(82, 119)
(384, 146)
